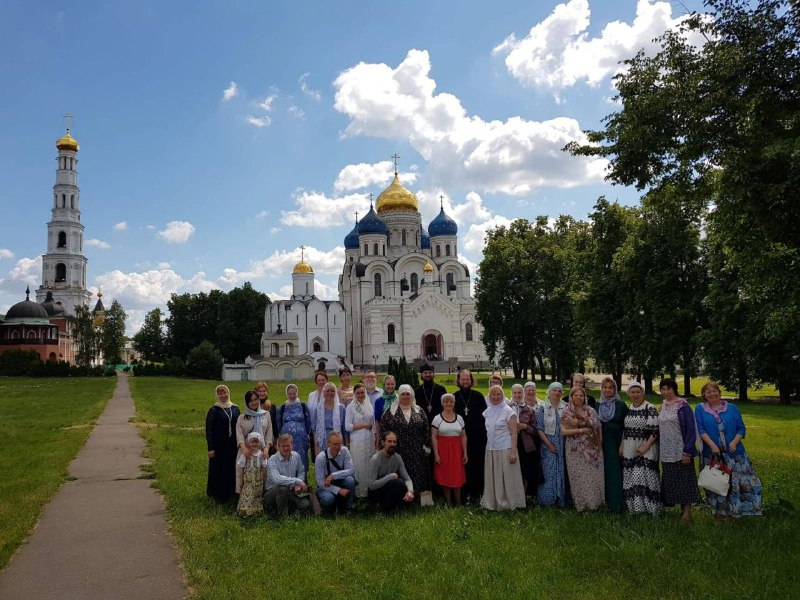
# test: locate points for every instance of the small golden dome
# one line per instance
(302, 267)
(99, 293)
(396, 197)
(428, 268)
(67, 142)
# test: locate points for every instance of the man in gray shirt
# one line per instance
(388, 483)
(286, 481)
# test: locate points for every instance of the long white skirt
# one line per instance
(502, 482)
(361, 449)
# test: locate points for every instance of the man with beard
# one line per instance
(470, 404)
(388, 482)
(429, 394)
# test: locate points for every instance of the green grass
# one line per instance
(468, 553)
(44, 423)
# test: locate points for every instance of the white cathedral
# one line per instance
(402, 292)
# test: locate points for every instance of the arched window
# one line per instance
(15, 335)
(403, 285)
(414, 283)
(274, 349)
(289, 349)
(404, 237)
(63, 201)
(468, 332)
(375, 248)
(52, 357)
(438, 250)
(61, 273)
(62, 239)
(306, 288)
(316, 320)
(366, 249)
(297, 319)
(377, 279)
(317, 347)
(72, 200)
(390, 333)
(451, 286)
(31, 335)
(447, 250)
(384, 249)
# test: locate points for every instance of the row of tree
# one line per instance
(103, 337)
(707, 270)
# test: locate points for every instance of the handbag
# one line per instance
(426, 499)
(715, 477)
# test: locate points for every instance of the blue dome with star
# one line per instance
(425, 239)
(372, 224)
(351, 239)
(442, 225)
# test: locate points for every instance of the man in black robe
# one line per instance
(470, 404)
(429, 394)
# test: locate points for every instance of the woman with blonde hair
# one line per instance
(328, 416)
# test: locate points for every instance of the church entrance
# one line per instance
(432, 346)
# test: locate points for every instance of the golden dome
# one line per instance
(428, 268)
(67, 142)
(396, 197)
(302, 267)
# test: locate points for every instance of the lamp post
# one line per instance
(375, 362)
(477, 360)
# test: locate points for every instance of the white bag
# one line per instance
(714, 479)
(426, 499)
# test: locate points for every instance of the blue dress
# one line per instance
(297, 422)
(553, 489)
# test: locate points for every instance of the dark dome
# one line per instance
(351, 239)
(425, 239)
(52, 307)
(442, 225)
(372, 224)
(27, 309)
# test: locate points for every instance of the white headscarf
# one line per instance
(401, 390)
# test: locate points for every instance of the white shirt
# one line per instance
(498, 436)
(448, 428)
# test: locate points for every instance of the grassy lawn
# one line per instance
(468, 553)
(44, 423)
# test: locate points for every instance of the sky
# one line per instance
(217, 137)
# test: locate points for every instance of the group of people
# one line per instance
(395, 446)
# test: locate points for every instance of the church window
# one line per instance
(416, 238)
(317, 347)
(297, 319)
(377, 280)
(403, 285)
(404, 237)
(366, 247)
(438, 250)
(334, 320)
(451, 286)
(468, 332)
(62, 239)
(306, 288)
(61, 273)
(72, 200)
(63, 201)
(31, 335)
(414, 283)
(375, 248)
(384, 249)
(447, 250)
(274, 349)
(390, 333)
(289, 349)
(316, 319)
(15, 335)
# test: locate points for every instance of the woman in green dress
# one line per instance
(612, 412)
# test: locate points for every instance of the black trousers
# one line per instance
(389, 496)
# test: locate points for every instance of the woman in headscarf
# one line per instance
(583, 452)
(359, 421)
(254, 419)
(449, 440)
(221, 442)
(579, 380)
(327, 417)
(410, 423)
(722, 430)
(383, 403)
(294, 419)
(677, 436)
(263, 397)
(612, 411)
(532, 473)
(502, 479)
(641, 482)
(552, 490)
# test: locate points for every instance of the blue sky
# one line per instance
(217, 137)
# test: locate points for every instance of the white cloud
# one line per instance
(176, 232)
(27, 270)
(262, 215)
(121, 226)
(149, 289)
(297, 112)
(281, 263)
(558, 52)
(303, 81)
(6, 253)
(512, 156)
(362, 175)
(471, 210)
(315, 209)
(274, 230)
(264, 121)
(266, 103)
(98, 243)
(475, 237)
(231, 92)
(164, 265)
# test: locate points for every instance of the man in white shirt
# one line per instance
(286, 481)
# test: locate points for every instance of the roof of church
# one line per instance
(67, 142)
(371, 223)
(52, 307)
(425, 239)
(442, 225)
(27, 309)
(396, 197)
(351, 239)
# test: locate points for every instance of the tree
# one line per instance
(723, 119)
(86, 336)
(204, 361)
(403, 372)
(112, 333)
(150, 340)
(241, 322)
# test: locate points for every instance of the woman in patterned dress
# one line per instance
(722, 430)
(359, 421)
(410, 423)
(641, 482)
(552, 490)
(294, 419)
(583, 452)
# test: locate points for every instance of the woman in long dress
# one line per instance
(294, 419)
(584, 454)
(221, 442)
(641, 481)
(410, 423)
(327, 417)
(552, 490)
(359, 421)
(611, 411)
(502, 479)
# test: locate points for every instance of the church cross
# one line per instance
(67, 119)
(356, 216)
(395, 156)
(441, 202)
(302, 249)
(370, 198)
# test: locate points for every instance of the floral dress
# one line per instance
(250, 499)
(553, 489)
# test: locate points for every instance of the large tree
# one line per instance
(112, 333)
(85, 334)
(722, 118)
(150, 340)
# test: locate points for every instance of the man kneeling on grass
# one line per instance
(334, 472)
(388, 483)
(286, 481)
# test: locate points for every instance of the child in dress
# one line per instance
(253, 471)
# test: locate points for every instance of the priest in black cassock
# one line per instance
(470, 404)
(429, 394)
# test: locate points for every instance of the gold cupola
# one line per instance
(302, 267)
(428, 268)
(67, 142)
(396, 197)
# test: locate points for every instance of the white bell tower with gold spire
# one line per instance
(64, 264)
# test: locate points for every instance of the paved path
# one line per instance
(104, 534)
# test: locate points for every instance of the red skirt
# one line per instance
(451, 472)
